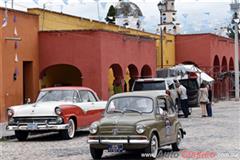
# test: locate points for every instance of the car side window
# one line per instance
(161, 103)
(76, 97)
(92, 97)
(87, 96)
(170, 106)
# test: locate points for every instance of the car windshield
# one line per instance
(56, 95)
(151, 85)
(130, 104)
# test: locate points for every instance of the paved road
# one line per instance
(212, 138)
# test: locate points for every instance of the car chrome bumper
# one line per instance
(39, 127)
(124, 140)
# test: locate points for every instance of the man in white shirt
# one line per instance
(182, 92)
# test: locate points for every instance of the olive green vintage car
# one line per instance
(139, 121)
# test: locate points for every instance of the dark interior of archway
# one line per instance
(146, 72)
(61, 75)
(231, 65)
(117, 70)
(133, 71)
(216, 64)
(224, 64)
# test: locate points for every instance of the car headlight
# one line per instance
(10, 112)
(58, 110)
(93, 128)
(140, 128)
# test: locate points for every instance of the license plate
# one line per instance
(115, 148)
(32, 126)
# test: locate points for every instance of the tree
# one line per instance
(111, 15)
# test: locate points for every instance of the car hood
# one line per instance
(124, 119)
(37, 109)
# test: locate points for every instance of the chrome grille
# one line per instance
(37, 120)
(117, 129)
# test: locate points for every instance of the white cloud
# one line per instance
(219, 11)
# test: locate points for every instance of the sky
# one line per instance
(195, 16)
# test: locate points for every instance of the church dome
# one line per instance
(127, 9)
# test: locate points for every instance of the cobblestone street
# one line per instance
(218, 135)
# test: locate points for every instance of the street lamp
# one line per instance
(161, 8)
(236, 59)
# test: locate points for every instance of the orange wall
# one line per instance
(2, 101)
(12, 91)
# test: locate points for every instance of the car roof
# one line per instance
(154, 79)
(150, 94)
(66, 88)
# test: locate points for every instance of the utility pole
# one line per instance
(235, 8)
(161, 8)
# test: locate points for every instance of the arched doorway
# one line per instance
(115, 80)
(216, 71)
(224, 78)
(61, 75)
(231, 79)
(224, 64)
(231, 64)
(146, 71)
(216, 64)
(131, 75)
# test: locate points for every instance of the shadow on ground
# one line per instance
(53, 136)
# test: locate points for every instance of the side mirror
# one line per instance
(28, 100)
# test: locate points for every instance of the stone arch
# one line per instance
(116, 83)
(216, 71)
(224, 85)
(131, 75)
(216, 64)
(231, 64)
(231, 81)
(224, 66)
(146, 71)
(61, 75)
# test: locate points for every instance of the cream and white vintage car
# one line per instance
(62, 109)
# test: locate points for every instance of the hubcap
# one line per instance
(154, 146)
(71, 128)
(179, 137)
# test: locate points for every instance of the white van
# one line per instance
(161, 84)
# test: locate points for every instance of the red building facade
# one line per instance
(85, 57)
(213, 54)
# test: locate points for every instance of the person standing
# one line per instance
(118, 85)
(209, 104)
(182, 92)
(203, 99)
(130, 82)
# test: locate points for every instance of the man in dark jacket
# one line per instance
(209, 105)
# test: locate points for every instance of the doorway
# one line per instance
(27, 81)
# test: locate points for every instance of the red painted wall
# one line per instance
(201, 49)
(125, 50)
(93, 52)
(12, 91)
(80, 49)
